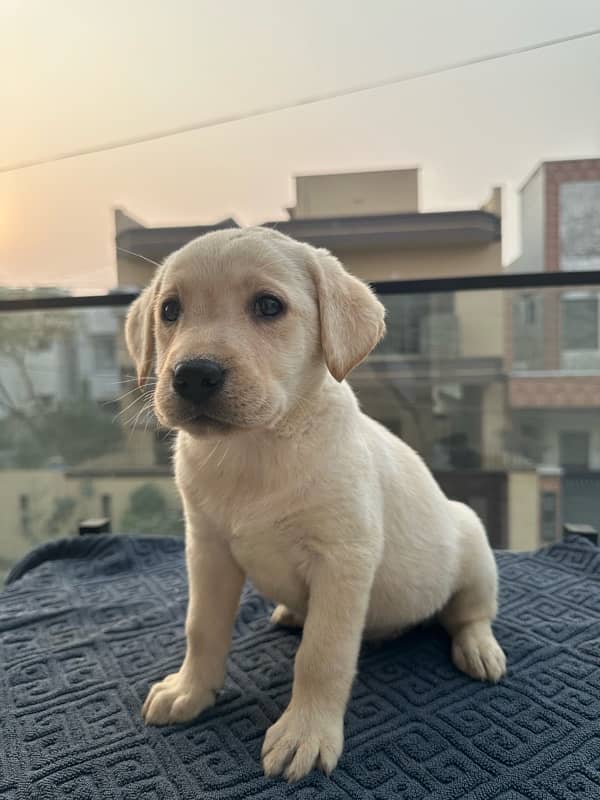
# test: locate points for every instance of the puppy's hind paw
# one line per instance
(476, 652)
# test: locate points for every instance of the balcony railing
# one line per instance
(494, 380)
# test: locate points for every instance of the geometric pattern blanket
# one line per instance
(88, 623)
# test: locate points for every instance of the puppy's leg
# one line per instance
(469, 613)
(310, 731)
(215, 584)
(286, 618)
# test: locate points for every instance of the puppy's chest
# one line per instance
(273, 554)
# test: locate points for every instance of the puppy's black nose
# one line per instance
(198, 379)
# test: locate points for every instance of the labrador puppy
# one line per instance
(284, 480)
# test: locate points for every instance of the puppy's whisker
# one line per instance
(132, 379)
(124, 395)
(121, 382)
(145, 390)
(147, 407)
(151, 419)
(124, 410)
(141, 395)
(224, 456)
(138, 255)
(210, 455)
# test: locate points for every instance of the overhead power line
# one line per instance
(310, 100)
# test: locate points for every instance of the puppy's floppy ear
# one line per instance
(139, 330)
(352, 318)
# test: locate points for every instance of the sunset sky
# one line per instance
(77, 73)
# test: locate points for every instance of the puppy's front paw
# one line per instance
(299, 741)
(176, 699)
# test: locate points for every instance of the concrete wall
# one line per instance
(494, 423)
(424, 262)
(356, 194)
(523, 511)
(42, 488)
(481, 316)
(532, 224)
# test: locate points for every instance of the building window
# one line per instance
(104, 352)
(528, 330)
(106, 506)
(574, 450)
(442, 303)
(408, 327)
(548, 517)
(530, 442)
(580, 328)
(405, 317)
(579, 203)
(25, 508)
(528, 309)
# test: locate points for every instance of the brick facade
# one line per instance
(579, 391)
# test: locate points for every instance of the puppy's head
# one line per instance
(241, 325)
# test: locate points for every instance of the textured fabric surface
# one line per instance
(86, 625)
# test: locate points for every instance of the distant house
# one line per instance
(371, 220)
(553, 346)
(83, 359)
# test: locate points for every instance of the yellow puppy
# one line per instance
(286, 481)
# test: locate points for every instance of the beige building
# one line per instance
(371, 220)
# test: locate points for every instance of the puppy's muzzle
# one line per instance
(198, 380)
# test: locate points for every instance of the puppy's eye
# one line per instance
(266, 305)
(169, 310)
